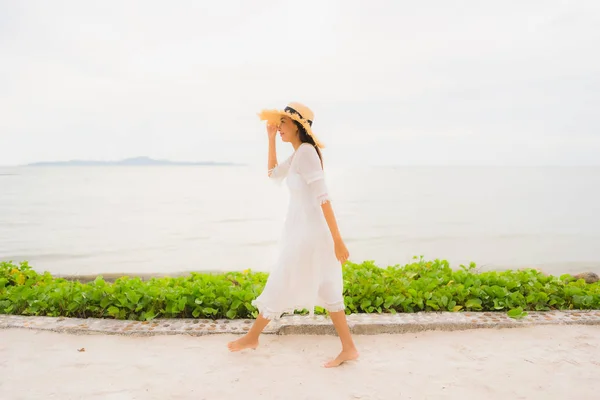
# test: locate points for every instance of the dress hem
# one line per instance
(276, 314)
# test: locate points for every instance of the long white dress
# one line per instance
(306, 272)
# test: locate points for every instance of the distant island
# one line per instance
(136, 161)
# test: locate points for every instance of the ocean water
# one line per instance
(134, 220)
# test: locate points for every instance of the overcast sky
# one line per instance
(390, 82)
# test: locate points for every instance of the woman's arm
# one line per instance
(331, 221)
(341, 252)
(272, 133)
(309, 165)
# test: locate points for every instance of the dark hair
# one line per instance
(306, 138)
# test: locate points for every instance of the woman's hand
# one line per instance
(341, 252)
(271, 131)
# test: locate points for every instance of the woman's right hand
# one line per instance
(271, 131)
(341, 251)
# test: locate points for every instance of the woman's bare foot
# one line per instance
(345, 355)
(243, 343)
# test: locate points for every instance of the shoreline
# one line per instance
(570, 268)
(146, 276)
(113, 276)
(588, 276)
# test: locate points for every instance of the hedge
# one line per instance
(419, 286)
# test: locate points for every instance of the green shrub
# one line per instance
(419, 286)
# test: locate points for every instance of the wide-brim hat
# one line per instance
(296, 111)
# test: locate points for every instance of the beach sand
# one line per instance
(549, 362)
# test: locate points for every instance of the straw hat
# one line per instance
(296, 111)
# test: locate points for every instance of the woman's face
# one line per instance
(288, 129)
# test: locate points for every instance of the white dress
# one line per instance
(306, 272)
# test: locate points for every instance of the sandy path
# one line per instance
(552, 362)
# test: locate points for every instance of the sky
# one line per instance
(396, 82)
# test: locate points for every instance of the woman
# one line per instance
(308, 271)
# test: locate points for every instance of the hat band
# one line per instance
(292, 111)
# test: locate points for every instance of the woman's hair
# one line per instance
(306, 138)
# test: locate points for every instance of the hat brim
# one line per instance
(273, 116)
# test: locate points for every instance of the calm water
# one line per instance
(172, 219)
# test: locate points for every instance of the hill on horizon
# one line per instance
(134, 161)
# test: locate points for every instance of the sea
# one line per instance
(165, 220)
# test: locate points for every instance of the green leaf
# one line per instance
(365, 303)
(209, 311)
(444, 301)
(235, 305)
(473, 303)
(113, 311)
(517, 313)
(432, 304)
(133, 297)
(182, 303)
(148, 315)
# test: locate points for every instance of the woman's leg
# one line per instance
(250, 339)
(349, 351)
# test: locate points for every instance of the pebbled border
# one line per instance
(360, 324)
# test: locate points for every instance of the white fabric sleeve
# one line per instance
(280, 171)
(309, 168)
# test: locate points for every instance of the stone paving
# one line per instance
(362, 324)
